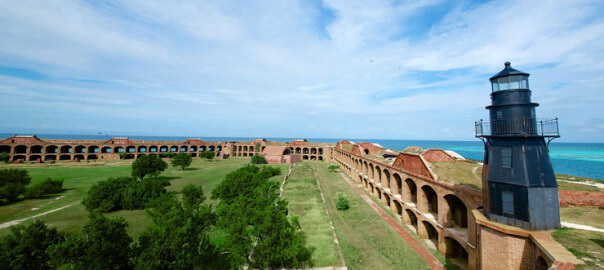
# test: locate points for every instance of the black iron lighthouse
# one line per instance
(518, 181)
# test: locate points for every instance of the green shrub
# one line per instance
(4, 157)
(258, 159)
(170, 155)
(49, 186)
(342, 203)
(182, 160)
(123, 193)
(12, 183)
(207, 154)
(148, 165)
(333, 168)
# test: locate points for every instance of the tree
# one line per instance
(178, 238)
(25, 247)
(257, 147)
(182, 160)
(207, 154)
(4, 157)
(333, 168)
(123, 193)
(103, 244)
(148, 165)
(258, 159)
(49, 186)
(12, 183)
(253, 217)
(342, 203)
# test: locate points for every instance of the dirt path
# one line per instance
(432, 262)
(17, 221)
(333, 230)
(581, 227)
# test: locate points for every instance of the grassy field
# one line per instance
(304, 197)
(586, 245)
(460, 173)
(592, 216)
(367, 241)
(78, 179)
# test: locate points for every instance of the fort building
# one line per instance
(502, 220)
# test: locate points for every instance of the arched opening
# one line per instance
(21, 149)
(51, 149)
(298, 150)
(320, 151)
(541, 263)
(65, 149)
(245, 154)
(184, 148)
(320, 158)
(80, 149)
(173, 148)
(106, 149)
(411, 193)
(398, 209)
(5, 149)
(313, 158)
(36, 149)
(203, 148)
(386, 199)
(366, 168)
(93, 149)
(79, 157)
(378, 194)
(142, 149)
(371, 172)
(65, 157)
(193, 154)
(313, 151)
(305, 157)
(430, 201)
(371, 188)
(131, 149)
(118, 149)
(19, 158)
(193, 149)
(366, 151)
(129, 156)
(378, 174)
(456, 253)
(153, 149)
(457, 216)
(35, 158)
(93, 157)
(411, 219)
(211, 148)
(50, 157)
(245, 148)
(399, 184)
(431, 234)
(163, 149)
(386, 178)
(219, 148)
(305, 150)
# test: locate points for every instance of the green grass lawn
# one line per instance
(588, 246)
(592, 216)
(366, 240)
(78, 179)
(304, 197)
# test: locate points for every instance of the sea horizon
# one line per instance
(585, 159)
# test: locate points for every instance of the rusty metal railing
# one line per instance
(518, 127)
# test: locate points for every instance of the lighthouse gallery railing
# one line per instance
(518, 127)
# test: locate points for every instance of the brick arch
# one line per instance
(386, 178)
(456, 214)
(457, 253)
(50, 149)
(365, 172)
(21, 149)
(398, 182)
(429, 200)
(386, 199)
(66, 149)
(378, 174)
(36, 149)
(397, 208)
(429, 232)
(410, 219)
(372, 174)
(410, 193)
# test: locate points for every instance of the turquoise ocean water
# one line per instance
(580, 159)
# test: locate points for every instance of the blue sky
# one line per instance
(326, 69)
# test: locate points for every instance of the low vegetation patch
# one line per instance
(258, 159)
(182, 161)
(123, 193)
(588, 246)
(342, 203)
(40, 190)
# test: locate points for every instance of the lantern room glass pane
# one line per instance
(504, 83)
(525, 82)
(515, 82)
(495, 86)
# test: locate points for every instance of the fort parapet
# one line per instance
(32, 148)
